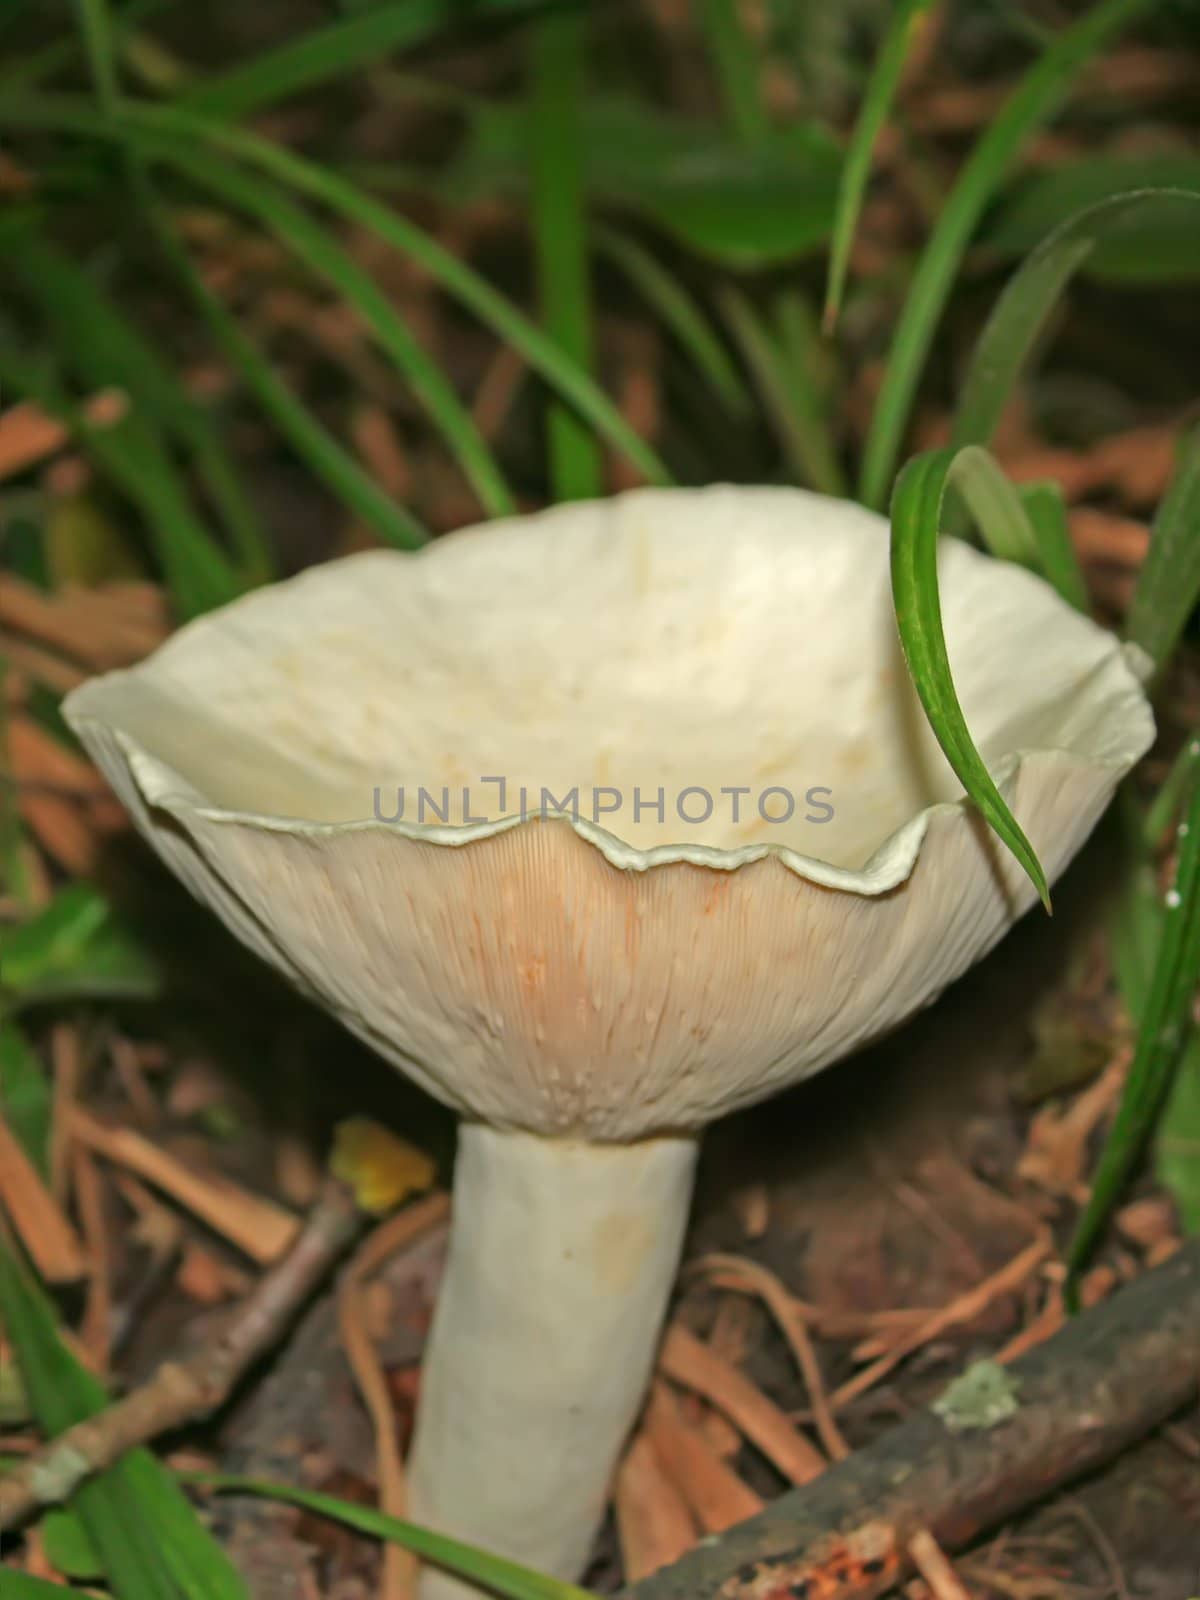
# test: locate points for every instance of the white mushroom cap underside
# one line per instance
(615, 977)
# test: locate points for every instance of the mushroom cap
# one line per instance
(602, 970)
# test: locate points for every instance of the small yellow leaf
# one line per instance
(378, 1165)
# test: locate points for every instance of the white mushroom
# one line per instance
(590, 986)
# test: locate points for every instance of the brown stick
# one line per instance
(1105, 1381)
(181, 1391)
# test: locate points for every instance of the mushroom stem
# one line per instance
(562, 1258)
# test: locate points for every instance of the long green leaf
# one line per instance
(856, 168)
(1032, 104)
(1163, 1037)
(495, 1573)
(152, 1545)
(106, 348)
(740, 206)
(1021, 312)
(916, 513)
(320, 54)
(1168, 585)
(557, 59)
(170, 135)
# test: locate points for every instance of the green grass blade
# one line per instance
(101, 53)
(856, 168)
(34, 67)
(679, 313)
(321, 54)
(325, 458)
(26, 1098)
(916, 513)
(151, 1544)
(558, 44)
(14, 875)
(197, 574)
(788, 394)
(323, 255)
(495, 1573)
(1021, 312)
(76, 948)
(1057, 561)
(20, 1586)
(166, 133)
(1163, 1036)
(1027, 525)
(1168, 585)
(1028, 108)
(736, 60)
(1177, 1151)
(1175, 794)
(105, 347)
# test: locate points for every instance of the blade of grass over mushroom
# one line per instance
(197, 574)
(109, 349)
(668, 298)
(323, 255)
(150, 1541)
(501, 1577)
(856, 168)
(1169, 583)
(557, 61)
(917, 507)
(171, 135)
(1163, 1034)
(339, 48)
(792, 402)
(1031, 104)
(737, 63)
(1021, 311)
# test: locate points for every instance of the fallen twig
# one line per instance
(260, 1228)
(181, 1391)
(964, 1309)
(688, 1361)
(1105, 1381)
